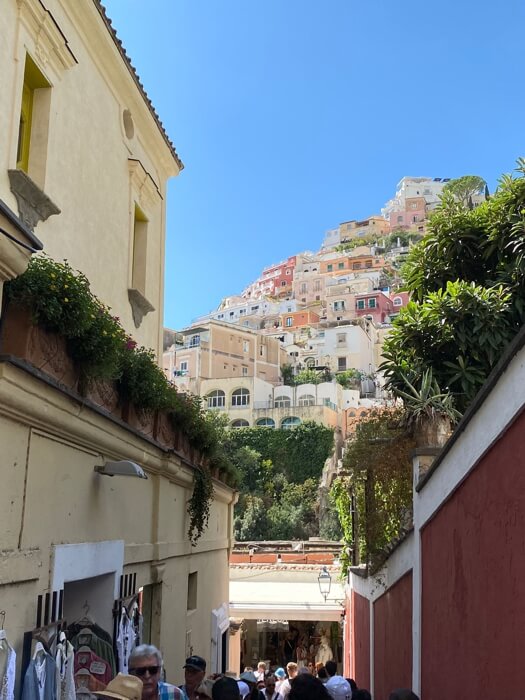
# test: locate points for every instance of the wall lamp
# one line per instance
(123, 467)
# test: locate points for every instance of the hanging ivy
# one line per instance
(378, 475)
(199, 504)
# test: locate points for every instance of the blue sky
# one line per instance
(294, 115)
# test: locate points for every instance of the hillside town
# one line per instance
(306, 492)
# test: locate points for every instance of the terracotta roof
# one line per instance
(118, 43)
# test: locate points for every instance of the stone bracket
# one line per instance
(140, 306)
(33, 204)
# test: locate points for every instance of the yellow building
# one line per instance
(219, 350)
(85, 160)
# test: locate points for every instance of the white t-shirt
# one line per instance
(339, 688)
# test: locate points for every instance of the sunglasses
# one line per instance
(141, 671)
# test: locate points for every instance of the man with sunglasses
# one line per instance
(145, 662)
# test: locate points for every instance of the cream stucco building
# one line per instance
(84, 160)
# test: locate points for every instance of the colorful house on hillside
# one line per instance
(298, 319)
(376, 304)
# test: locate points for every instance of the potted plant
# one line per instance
(430, 412)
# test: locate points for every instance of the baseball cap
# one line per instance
(196, 662)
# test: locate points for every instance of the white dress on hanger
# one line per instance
(7, 683)
(65, 662)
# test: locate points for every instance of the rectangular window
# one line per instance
(372, 303)
(192, 592)
(339, 305)
(289, 321)
(184, 366)
(245, 371)
(245, 346)
(341, 338)
(329, 268)
(317, 286)
(140, 246)
(303, 288)
(34, 122)
(360, 303)
(341, 266)
(341, 364)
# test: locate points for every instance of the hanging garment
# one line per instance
(40, 678)
(65, 677)
(86, 623)
(87, 660)
(87, 638)
(86, 683)
(8, 666)
(126, 639)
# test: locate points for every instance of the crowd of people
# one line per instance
(145, 681)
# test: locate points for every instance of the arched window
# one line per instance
(290, 422)
(216, 399)
(310, 362)
(282, 402)
(307, 400)
(398, 301)
(265, 423)
(241, 397)
(240, 423)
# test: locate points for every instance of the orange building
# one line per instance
(348, 263)
(298, 319)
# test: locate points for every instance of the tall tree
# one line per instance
(463, 188)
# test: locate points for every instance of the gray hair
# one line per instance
(144, 650)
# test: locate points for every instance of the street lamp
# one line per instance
(325, 581)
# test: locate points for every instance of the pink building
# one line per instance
(275, 280)
(412, 216)
(376, 304)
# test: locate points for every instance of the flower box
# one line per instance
(43, 349)
(165, 433)
(141, 419)
(102, 392)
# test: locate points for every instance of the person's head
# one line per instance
(260, 684)
(311, 667)
(323, 675)
(248, 676)
(353, 684)
(318, 666)
(204, 690)
(331, 668)
(361, 694)
(307, 687)
(403, 694)
(280, 674)
(291, 669)
(225, 689)
(145, 662)
(194, 672)
(122, 687)
(269, 684)
(261, 667)
(244, 689)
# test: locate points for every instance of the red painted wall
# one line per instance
(473, 577)
(393, 639)
(360, 641)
